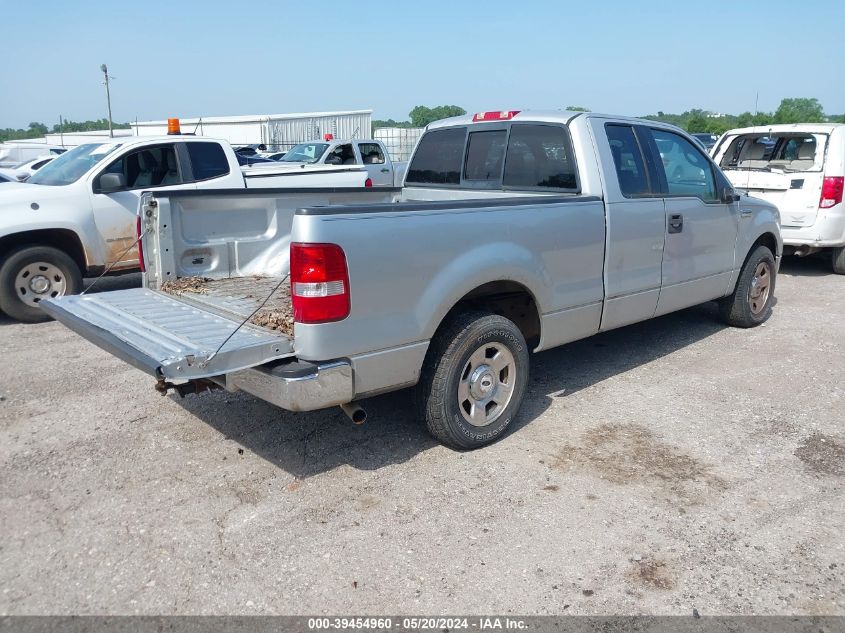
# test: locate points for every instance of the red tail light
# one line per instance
(368, 182)
(140, 244)
(832, 191)
(319, 283)
(504, 115)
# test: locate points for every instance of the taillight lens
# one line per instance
(319, 283)
(140, 243)
(368, 182)
(831, 191)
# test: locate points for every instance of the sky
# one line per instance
(212, 58)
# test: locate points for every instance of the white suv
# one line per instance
(801, 169)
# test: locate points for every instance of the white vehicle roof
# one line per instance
(808, 128)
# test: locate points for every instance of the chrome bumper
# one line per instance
(297, 387)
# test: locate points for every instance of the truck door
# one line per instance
(115, 210)
(701, 229)
(375, 162)
(636, 225)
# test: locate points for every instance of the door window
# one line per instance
(539, 156)
(688, 172)
(148, 167)
(485, 155)
(341, 155)
(371, 153)
(628, 159)
(208, 160)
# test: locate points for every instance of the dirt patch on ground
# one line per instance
(654, 573)
(822, 454)
(178, 287)
(628, 453)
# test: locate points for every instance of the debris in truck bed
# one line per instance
(280, 319)
(177, 287)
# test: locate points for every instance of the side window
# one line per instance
(628, 159)
(148, 167)
(688, 172)
(539, 156)
(438, 158)
(371, 153)
(485, 155)
(341, 155)
(208, 160)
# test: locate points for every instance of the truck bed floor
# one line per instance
(239, 297)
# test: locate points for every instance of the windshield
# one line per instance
(70, 166)
(304, 153)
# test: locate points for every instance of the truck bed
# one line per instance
(239, 297)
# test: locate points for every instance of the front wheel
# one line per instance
(750, 304)
(473, 379)
(33, 273)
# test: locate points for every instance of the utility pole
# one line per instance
(105, 70)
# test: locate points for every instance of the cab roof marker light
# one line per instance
(501, 115)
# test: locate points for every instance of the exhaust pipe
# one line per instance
(354, 413)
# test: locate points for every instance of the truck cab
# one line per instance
(369, 153)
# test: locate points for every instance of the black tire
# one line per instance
(839, 260)
(736, 309)
(20, 301)
(449, 358)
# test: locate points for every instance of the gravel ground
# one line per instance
(666, 466)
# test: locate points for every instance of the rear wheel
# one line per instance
(751, 301)
(839, 260)
(33, 273)
(473, 379)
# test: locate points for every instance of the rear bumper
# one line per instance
(297, 386)
(828, 230)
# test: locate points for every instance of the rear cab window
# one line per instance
(629, 160)
(371, 153)
(515, 156)
(208, 160)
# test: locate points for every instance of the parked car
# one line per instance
(251, 159)
(370, 153)
(516, 231)
(706, 139)
(23, 171)
(78, 213)
(16, 152)
(801, 169)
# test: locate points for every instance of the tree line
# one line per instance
(38, 130)
(790, 110)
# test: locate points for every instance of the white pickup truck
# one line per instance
(516, 231)
(78, 214)
(371, 154)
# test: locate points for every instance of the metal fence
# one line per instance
(399, 141)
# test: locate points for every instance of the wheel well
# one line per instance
(768, 240)
(508, 299)
(62, 239)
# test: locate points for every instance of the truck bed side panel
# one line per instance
(409, 264)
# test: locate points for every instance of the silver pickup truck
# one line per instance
(515, 232)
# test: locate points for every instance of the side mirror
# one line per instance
(112, 182)
(729, 195)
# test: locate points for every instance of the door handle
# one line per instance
(385, 170)
(676, 223)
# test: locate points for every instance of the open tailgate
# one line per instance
(165, 336)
